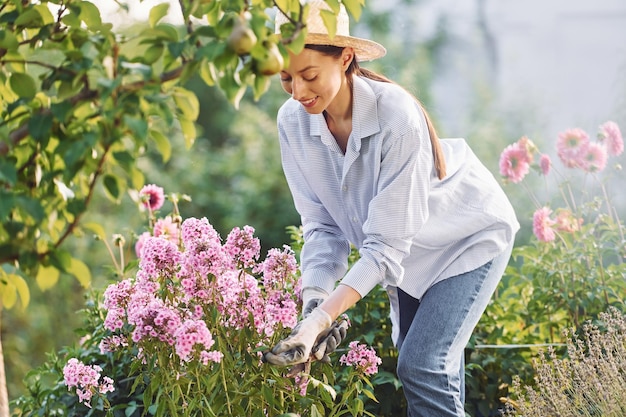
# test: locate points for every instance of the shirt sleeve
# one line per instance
(399, 207)
(324, 257)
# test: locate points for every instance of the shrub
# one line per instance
(571, 270)
(183, 331)
(588, 382)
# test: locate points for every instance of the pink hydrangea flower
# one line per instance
(593, 157)
(363, 358)
(242, 246)
(280, 309)
(190, 335)
(154, 320)
(278, 268)
(610, 135)
(514, 162)
(86, 380)
(159, 258)
(152, 197)
(570, 146)
(545, 164)
(204, 253)
(543, 225)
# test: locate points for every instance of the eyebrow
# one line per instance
(305, 69)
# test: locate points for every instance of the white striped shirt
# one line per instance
(412, 230)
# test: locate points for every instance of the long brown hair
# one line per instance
(356, 70)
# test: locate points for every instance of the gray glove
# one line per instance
(297, 347)
(312, 297)
(329, 339)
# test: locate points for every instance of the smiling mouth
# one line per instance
(308, 103)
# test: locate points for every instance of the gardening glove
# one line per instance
(329, 339)
(312, 297)
(296, 348)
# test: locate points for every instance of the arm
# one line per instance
(340, 300)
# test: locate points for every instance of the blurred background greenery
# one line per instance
(489, 72)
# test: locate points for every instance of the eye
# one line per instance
(309, 79)
(285, 78)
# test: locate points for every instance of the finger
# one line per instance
(343, 331)
(290, 357)
(320, 350)
(331, 344)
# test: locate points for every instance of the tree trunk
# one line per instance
(4, 395)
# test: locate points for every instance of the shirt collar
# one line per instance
(364, 113)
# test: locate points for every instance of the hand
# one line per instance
(297, 347)
(329, 339)
(312, 297)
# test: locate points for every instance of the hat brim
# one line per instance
(364, 49)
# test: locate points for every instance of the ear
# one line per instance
(346, 57)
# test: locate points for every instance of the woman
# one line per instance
(432, 225)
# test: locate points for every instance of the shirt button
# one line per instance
(354, 219)
(344, 188)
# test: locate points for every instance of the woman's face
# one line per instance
(317, 80)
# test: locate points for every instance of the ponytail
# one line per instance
(438, 158)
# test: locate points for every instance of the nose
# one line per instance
(297, 89)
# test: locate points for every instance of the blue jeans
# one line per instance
(433, 334)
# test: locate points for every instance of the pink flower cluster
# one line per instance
(242, 246)
(546, 227)
(363, 358)
(182, 291)
(574, 149)
(86, 380)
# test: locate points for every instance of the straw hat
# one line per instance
(317, 33)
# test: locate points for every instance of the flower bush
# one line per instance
(570, 271)
(589, 382)
(183, 334)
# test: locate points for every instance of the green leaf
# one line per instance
(23, 85)
(187, 102)
(330, 21)
(97, 229)
(39, 127)
(161, 31)
(61, 259)
(334, 6)
(29, 18)
(90, 14)
(354, 7)
(157, 13)
(189, 132)
(8, 40)
(47, 277)
(112, 186)
(162, 143)
(137, 126)
(153, 53)
(8, 174)
(80, 270)
(14, 285)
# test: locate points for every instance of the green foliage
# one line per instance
(80, 104)
(550, 285)
(152, 376)
(370, 323)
